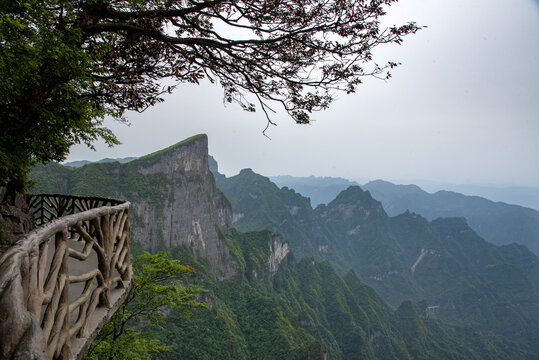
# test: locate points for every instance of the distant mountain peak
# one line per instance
(248, 171)
(321, 190)
(354, 203)
(355, 194)
(497, 222)
(383, 185)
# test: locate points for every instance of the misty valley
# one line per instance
(377, 271)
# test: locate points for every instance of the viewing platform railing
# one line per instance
(62, 281)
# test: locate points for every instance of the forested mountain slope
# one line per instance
(265, 304)
(461, 276)
(497, 222)
(305, 310)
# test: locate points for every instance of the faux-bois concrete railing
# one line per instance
(62, 281)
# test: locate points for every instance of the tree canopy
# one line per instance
(158, 288)
(66, 64)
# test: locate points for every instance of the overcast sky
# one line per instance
(462, 108)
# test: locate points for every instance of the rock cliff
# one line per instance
(278, 251)
(193, 210)
(173, 195)
(15, 218)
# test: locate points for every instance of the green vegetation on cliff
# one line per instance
(107, 179)
(462, 278)
(306, 310)
(158, 283)
(259, 204)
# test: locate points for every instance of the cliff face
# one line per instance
(173, 195)
(193, 209)
(15, 218)
(278, 251)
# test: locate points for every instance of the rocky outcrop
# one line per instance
(278, 251)
(193, 211)
(15, 217)
(352, 204)
(174, 200)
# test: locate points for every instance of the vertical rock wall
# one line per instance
(174, 199)
(193, 211)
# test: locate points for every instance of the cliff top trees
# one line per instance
(65, 64)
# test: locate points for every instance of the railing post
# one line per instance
(63, 347)
(104, 261)
(126, 276)
(42, 218)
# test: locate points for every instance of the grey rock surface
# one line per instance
(15, 217)
(193, 210)
(174, 199)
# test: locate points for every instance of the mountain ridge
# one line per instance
(497, 222)
(173, 197)
(354, 231)
(263, 303)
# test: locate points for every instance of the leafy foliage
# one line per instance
(65, 65)
(46, 82)
(158, 286)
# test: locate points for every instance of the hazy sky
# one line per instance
(462, 108)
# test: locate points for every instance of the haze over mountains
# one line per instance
(517, 195)
(497, 222)
(105, 160)
(321, 190)
(343, 280)
(462, 277)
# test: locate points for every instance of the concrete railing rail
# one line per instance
(62, 281)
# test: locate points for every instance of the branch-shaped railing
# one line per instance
(47, 207)
(61, 282)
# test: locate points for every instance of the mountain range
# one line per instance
(341, 281)
(462, 277)
(497, 222)
(80, 163)
(321, 190)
